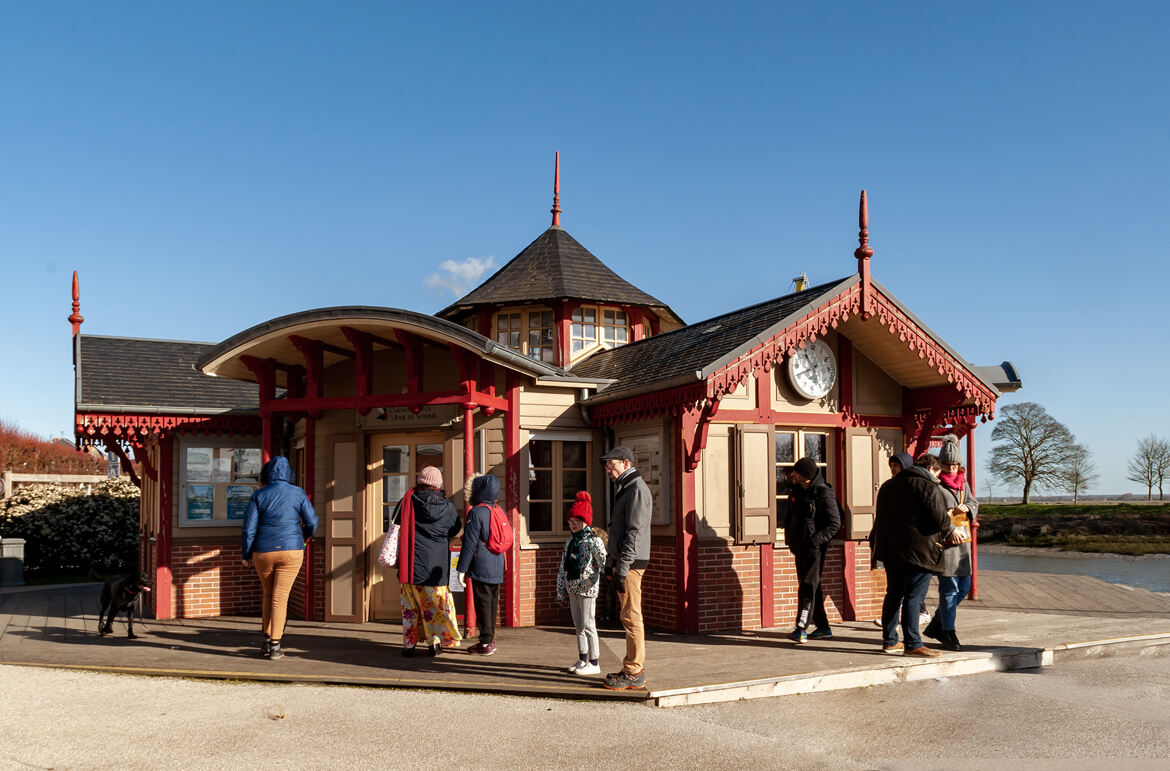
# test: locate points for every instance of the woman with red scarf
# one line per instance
(954, 583)
(427, 523)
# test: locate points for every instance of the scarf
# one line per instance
(406, 539)
(955, 480)
(574, 551)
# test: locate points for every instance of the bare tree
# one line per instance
(1150, 464)
(1079, 471)
(1034, 447)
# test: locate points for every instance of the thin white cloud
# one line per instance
(458, 278)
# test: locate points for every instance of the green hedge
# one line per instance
(68, 529)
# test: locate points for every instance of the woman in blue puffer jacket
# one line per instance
(278, 522)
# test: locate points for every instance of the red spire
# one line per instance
(75, 318)
(556, 209)
(863, 252)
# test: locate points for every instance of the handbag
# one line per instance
(388, 556)
(961, 522)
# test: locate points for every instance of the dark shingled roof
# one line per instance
(555, 266)
(126, 372)
(700, 347)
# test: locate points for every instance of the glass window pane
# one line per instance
(785, 447)
(620, 318)
(590, 332)
(620, 334)
(783, 484)
(590, 315)
(393, 488)
(547, 355)
(573, 481)
(573, 454)
(540, 488)
(608, 317)
(540, 517)
(816, 447)
(578, 315)
(396, 459)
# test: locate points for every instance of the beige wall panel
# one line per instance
(344, 485)
(341, 583)
(742, 398)
(862, 523)
(344, 528)
(785, 399)
(543, 408)
(389, 371)
(875, 392)
(713, 484)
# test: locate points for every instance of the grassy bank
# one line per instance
(1106, 528)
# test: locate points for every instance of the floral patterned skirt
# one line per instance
(428, 616)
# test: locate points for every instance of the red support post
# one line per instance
(469, 619)
(974, 593)
(162, 571)
(512, 498)
(767, 587)
(563, 313)
(314, 356)
(310, 486)
(687, 545)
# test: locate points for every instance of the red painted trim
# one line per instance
(137, 428)
(698, 442)
(484, 322)
(512, 498)
(824, 420)
(849, 612)
(373, 401)
(685, 529)
(767, 587)
(162, 571)
(310, 486)
(266, 447)
(650, 405)
(412, 346)
(563, 313)
(143, 456)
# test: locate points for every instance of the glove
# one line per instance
(619, 584)
(462, 578)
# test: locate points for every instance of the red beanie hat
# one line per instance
(582, 508)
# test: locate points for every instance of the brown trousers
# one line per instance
(277, 570)
(631, 616)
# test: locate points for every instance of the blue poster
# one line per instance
(237, 500)
(200, 501)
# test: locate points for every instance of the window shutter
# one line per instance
(861, 482)
(754, 485)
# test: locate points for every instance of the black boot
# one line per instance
(275, 652)
(933, 630)
(949, 641)
(266, 647)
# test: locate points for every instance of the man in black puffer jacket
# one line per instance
(813, 519)
(910, 530)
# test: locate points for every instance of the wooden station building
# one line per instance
(532, 377)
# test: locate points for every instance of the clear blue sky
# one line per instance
(207, 166)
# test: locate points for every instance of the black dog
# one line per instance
(120, 593)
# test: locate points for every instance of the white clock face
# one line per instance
(813, 370)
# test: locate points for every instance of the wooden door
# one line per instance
(395, 460)
(755, 478)
(862, 475)
(344, 537)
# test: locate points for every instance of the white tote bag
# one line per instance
(389, 554)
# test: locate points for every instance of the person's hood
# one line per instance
(485, 489)
(276, 470)
(918, 471)
(904, 458)
(429, 504)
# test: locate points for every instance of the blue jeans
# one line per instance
(951, 591)
(906, 587)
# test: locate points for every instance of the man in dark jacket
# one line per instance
(812, 520)
(629, 555)
(910, 531)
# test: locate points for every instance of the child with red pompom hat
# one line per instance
(578, 580)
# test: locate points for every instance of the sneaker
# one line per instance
(577, 665)
(924, 619)
(594, 669)
(821, 633)
(621, 681)
(922, 652)
(893, 650)
(485, 649)
(434, 650)
(274, 652)
(798, 636)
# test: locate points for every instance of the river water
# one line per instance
(1152, 574)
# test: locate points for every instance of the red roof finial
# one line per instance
(75, 318)
(863, 252)
(556, 209)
